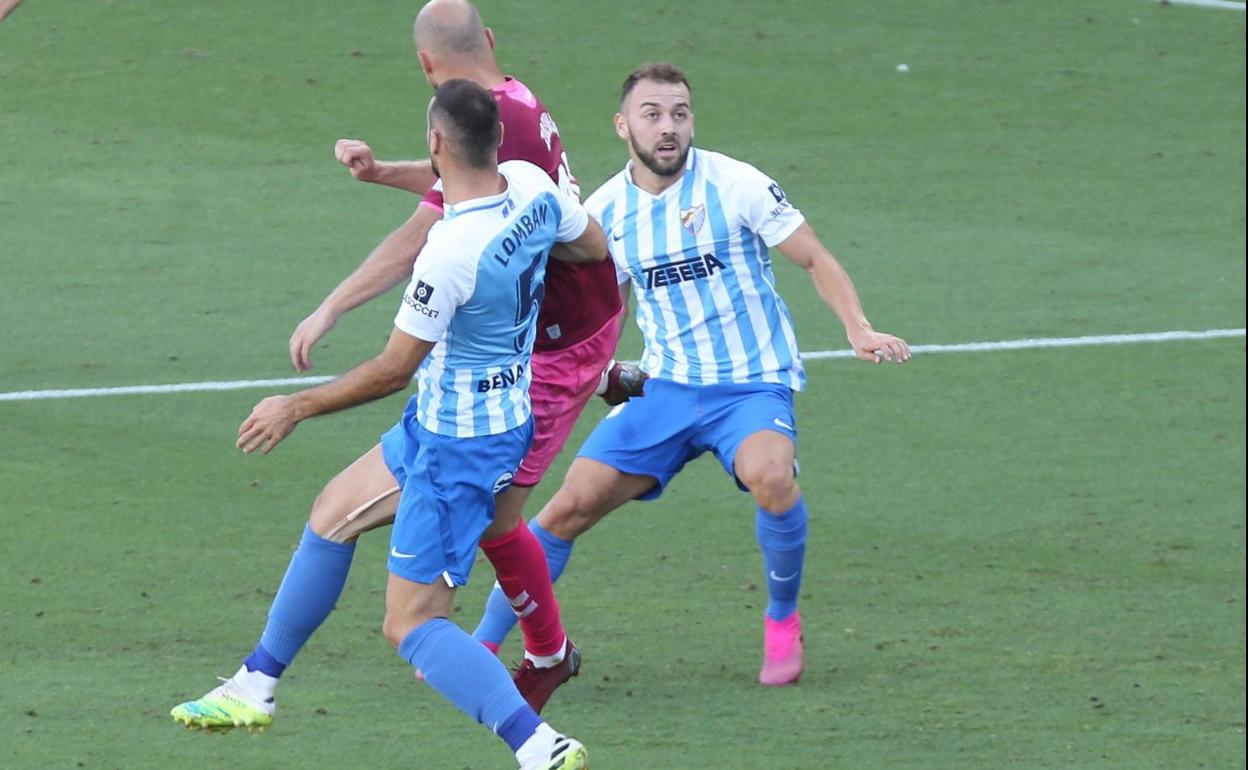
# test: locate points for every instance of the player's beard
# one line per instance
(671, 168)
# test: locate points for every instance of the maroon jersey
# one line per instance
(580, 298)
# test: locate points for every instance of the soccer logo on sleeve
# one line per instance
(777, 192)
(422, 293)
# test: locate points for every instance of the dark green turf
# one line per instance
(1019, 560)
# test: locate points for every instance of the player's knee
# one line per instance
(569, 513)
(395, 627)
(773, 487)
(325, 522)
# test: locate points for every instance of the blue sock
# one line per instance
(782, 539)
(314, 580)
(471, 677)
(262, 660)
(499, 618)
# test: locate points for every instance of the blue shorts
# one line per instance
(655, 435)
(447, 499)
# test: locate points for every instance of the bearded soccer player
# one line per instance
(690, 232)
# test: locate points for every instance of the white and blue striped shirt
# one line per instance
(475, 290)
(696, 255)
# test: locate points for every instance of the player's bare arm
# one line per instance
(412, 175)
(836, 289)
(589, 246)
(389, 265)
(274, 418)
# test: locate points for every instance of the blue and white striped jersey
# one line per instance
(696, 255)
(475, 290)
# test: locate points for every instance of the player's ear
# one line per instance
(489, 37)
(621, 127)
(426, 65)
(435, 141)
(502, 132)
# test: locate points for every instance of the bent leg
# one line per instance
(563, 383)
(458, 667)
(362, 497)
(765, 465)
(524, 584)
(312, 584)
(318, 569)
(590, 491)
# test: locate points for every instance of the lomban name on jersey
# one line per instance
(525, 225)
(504, 379)
(679, 272)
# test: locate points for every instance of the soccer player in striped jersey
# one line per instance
(465, 328)
(578, 326)
(576, 335)
(690, 231)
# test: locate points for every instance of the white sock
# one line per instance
(538, 745)
(548, 661)
(257, 684)
(604, 380)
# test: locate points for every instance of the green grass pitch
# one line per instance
(1029, 559)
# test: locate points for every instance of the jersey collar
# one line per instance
(478, 204)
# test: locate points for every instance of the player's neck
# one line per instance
(468, 183)
(485, 75)
(651, 182)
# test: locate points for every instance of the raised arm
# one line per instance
(837, 291)
(412, 175)
(386, 267)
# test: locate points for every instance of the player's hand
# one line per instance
(309, 331)
(357, 156)
(877, 347)
(272, 420)
(623, 381)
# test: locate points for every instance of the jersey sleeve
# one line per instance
(433, 197)
(439, 286)
(765, 207)
(574, 218)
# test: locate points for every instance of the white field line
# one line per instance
(1044, 342)
(964, 347)
(1226, 4)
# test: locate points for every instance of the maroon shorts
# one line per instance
(563, 382)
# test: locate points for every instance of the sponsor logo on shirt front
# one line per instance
(694, 269)
(504, 379)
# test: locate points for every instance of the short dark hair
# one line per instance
(663, 72)
(467, 115)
